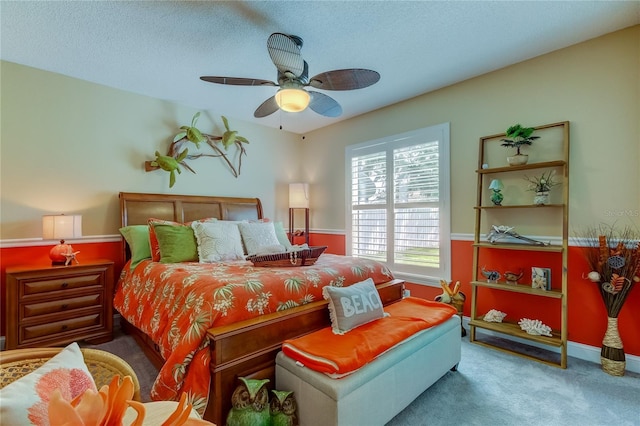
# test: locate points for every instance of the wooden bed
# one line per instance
(242, 349)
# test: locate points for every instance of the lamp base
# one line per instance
(62, 254)
(299, 232)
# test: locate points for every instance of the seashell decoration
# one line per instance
(492, 276)
(535, 327)
(594, 276)
(494, 316)
(512, 277)
(615, 285)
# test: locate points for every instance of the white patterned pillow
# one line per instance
(26, 401)
(218, 241)
(258, 237)
(281, 234)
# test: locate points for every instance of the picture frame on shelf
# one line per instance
(541, 278)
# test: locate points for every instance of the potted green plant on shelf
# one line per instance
(516, 137)
(541, 185)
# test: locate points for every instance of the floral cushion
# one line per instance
(26, 401)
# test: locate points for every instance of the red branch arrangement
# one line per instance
(614, 258)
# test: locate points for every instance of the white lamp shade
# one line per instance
(292, 100)
(496, 185)
(60, 227)
(299, 195)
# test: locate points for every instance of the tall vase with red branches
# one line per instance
(614, 258)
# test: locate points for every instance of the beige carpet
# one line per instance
(491, 388)
(126, 348)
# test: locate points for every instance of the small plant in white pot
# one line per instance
(516, 137)
(541, 185)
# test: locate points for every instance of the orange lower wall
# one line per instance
(39, 256)
(587, 314)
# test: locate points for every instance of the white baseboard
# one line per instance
(591, 353)
(574, 349)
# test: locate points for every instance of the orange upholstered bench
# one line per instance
(372, 372)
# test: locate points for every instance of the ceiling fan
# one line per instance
(293, 77)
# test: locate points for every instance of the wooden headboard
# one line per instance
(137, 208)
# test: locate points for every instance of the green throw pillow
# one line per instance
(137, 236)
(177, 243)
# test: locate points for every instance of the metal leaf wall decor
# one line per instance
(178, 151)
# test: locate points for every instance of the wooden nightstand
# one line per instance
(57, 305)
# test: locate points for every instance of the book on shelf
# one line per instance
(541, 278)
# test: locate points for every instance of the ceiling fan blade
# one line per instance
(238, 81)
(268, 107)
(324, 105)
(285, 53)
(347, 79)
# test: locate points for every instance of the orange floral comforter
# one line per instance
(175, 304)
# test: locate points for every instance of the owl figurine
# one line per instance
(283, 408)
(250, 404)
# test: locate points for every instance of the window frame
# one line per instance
(441, 133)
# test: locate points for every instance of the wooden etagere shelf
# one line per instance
(523, 206)
(520, 288)
(558, 340)
(516, 246)
(528, 166)
(514, 330)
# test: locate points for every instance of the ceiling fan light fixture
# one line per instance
(293, 77)
(292, 100)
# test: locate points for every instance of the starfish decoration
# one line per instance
(71, 256)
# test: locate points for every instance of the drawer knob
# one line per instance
(64, 327)
(65, 306)
(65, 285)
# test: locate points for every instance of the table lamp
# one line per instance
(299, 199)
(60, 227)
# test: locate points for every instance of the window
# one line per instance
(398, 203)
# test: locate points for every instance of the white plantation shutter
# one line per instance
(398, 208)
(368, 198)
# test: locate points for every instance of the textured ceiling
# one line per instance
(161, 48)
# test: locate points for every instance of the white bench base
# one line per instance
(377, 392)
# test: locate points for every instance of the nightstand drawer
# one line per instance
(45, 285)
(34, 309)
(56, 305)
(55, 328)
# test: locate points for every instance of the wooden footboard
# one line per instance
(249, 348)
